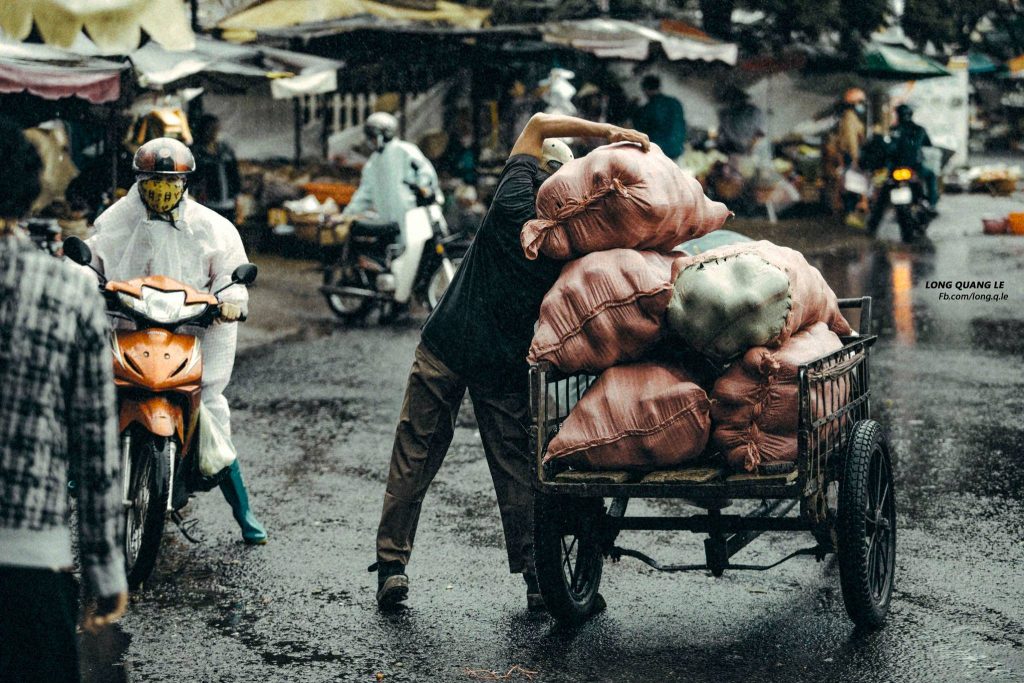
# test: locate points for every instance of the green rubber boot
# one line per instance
(234, 492)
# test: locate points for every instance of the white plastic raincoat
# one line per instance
(383, 186)
(201, 250)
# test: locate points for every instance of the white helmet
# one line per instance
(554, 154)
(380, 127)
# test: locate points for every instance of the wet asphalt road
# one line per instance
(314, 412)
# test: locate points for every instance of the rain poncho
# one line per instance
(201, 250)
(383, 188)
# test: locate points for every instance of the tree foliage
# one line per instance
(952, 23)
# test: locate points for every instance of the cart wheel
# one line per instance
(567, 554)
(866, 526)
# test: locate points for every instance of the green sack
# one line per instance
(724, 306)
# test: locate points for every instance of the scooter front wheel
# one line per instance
(147, 463)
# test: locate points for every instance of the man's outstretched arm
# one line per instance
(542, 126)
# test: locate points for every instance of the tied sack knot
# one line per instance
(535, 230)
(577, 205)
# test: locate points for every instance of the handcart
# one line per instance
(841, 488)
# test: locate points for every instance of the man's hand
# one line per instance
(109, 610)
(629, 135)
(229, 312)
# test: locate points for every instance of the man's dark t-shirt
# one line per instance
(483, 325)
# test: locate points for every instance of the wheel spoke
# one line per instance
(872, 567)
(880, 503)
(870, 522)
(566, 557)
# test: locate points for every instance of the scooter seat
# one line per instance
(381, 232)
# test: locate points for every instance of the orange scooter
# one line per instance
(158, 373)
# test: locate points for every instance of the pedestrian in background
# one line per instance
(216, 181)
(849, 138)
(662, 118)
(57, 426)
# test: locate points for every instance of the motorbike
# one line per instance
(158, 372)
(904, 190)
(374, 270)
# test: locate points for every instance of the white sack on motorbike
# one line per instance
(201, 250)
(215, 448)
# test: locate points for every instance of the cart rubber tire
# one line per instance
(149, 497)
(563, 525)
(866, 526)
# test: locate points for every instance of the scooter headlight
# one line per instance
(160, 306)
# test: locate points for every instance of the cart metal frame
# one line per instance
(834, 398)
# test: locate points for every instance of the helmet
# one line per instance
(380, 127)
(904, 112)
(162, 166)
(163, 156)
(854, 96)
(554, 154)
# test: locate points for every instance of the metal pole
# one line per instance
(195, 15)
(113, 148)
(297, 116)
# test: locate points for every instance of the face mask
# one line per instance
(859, 109)
(162, 193)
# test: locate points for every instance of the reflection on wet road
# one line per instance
(314, 423)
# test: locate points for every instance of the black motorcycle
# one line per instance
(373, 269)
(904, 191)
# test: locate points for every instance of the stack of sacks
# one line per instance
(608, 307)
(755, 408)
(766, 303)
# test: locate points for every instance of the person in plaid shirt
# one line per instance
(57, 428)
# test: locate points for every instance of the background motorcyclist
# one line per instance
(906, 142)
(394, 168)
(157, 229)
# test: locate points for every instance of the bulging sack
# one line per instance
(605, 308)
(619, 196)
(755, 404)
(644, 416)
(736, 297)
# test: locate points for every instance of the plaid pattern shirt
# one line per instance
(58, 417)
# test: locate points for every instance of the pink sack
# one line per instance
(644, 416)
(755, 411)
(619, 197)
(605, 308)
(740, 296)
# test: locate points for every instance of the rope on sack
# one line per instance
(535, 230)
(574, 206)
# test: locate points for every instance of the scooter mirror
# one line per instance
(244, 274)
(78, 251)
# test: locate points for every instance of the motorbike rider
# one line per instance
(157, 229)
(477, 339)
(906, 142)
(393, 175)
